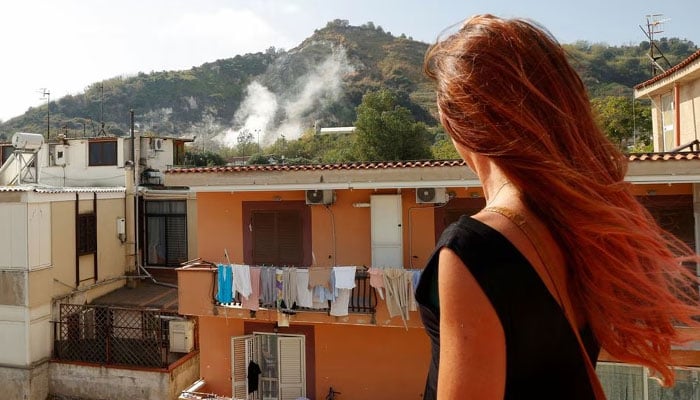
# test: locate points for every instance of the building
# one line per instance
(674, 96)
(80, 315)
(373, 215)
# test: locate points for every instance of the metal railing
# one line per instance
(112, 335)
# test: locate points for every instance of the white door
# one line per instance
(243, 351)
(283, 362)
(387, 230)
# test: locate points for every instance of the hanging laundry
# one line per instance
(319, 276)
(225, 283)
(376, 280)
(241, 279)
(412, 276)
(397, 293)
(289, 281)
(268, 294)
(304, 295)
(279, 287)
(344, 277)
(253, 301)
(341, 304)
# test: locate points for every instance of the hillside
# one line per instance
(319, 83)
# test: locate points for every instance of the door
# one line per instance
(282, 362)
(387, 231)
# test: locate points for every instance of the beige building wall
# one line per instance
(690, 111)
(37, 271)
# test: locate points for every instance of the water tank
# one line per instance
(27, 141)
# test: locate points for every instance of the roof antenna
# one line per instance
(654, 26)
(102, 132)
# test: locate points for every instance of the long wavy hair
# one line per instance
(506, 90)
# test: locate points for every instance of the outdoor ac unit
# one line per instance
(157, 144)
(319, 197)
(181, 335)
(431, 195)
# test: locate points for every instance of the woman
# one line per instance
(518, 299)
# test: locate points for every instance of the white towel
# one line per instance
(344, 277)
(241, 280)
(339, 306)
(304, 295)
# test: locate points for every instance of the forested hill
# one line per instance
(319, 83)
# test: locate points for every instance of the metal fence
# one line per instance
(112, 335)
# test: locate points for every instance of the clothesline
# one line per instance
(286, 288)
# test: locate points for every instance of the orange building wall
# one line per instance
(355, 360)
(341, 232)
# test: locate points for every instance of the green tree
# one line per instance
(386, 131)
(626, 123)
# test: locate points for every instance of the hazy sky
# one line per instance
(66, 45)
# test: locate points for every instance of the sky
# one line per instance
(61, 47)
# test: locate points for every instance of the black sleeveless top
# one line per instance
(543, 357)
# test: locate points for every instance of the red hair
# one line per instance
(506, 90)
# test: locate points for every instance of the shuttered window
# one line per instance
(87, 234)
(103, 152)
(277, 237)
(277, 233)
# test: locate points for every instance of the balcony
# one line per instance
(197, 286)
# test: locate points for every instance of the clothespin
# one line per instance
(226, 255)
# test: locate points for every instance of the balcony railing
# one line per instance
(113, 336)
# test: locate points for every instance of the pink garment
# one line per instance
(253, 301)
(376, 280)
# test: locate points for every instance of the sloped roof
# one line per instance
(681, 65)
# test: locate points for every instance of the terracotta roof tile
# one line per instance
(670, 71)
(320, 167)
(637, 157)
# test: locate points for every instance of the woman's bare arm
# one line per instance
(472, 342)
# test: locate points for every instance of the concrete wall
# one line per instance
(25, 383)
(96, 382)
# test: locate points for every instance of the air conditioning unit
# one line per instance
(181, 335)
(157, 144)
(319, 197)
(431, 195)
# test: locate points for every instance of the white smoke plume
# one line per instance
(323, 84)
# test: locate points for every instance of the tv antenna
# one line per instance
(46, 94)
(655, 26)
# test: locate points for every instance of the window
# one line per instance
(277, 233)
(5, 154)
(668, 129)
(166, 232)
(87, 234)
(103, 152)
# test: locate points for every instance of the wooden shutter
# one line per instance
(277, 237)
(292, 368)
(240, 346)
(289, 238)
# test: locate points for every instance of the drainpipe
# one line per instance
(130, 218)
(677, 117)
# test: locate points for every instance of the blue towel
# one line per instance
(225, 279)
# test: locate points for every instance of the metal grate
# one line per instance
(112, 335)
(363, 298)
